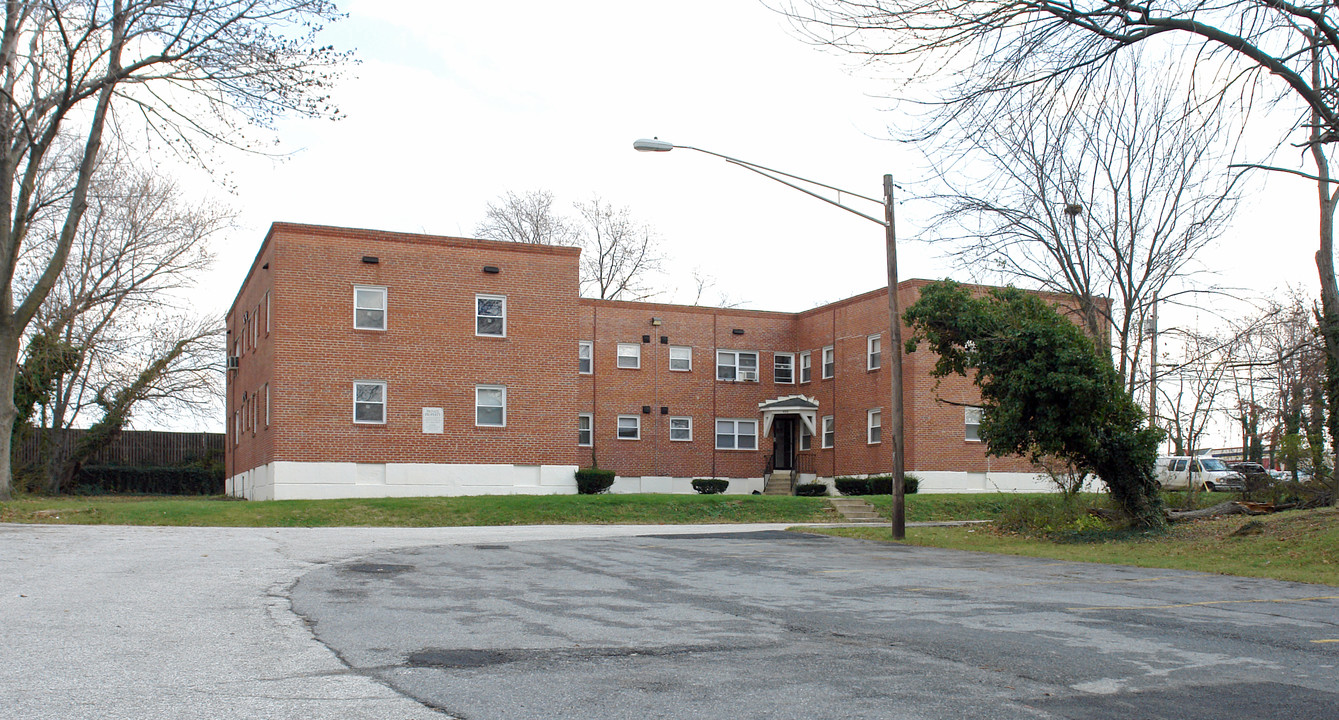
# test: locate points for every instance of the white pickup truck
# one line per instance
(1201, 473)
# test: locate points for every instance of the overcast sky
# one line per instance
(455, 103)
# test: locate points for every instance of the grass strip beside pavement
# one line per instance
(419, 511)
(1299, 546)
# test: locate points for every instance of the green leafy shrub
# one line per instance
(593, 480)
(117, 479)
(852, 486)
(710, 486)
(811, 490)
(883, 484)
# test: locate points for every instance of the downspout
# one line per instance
(714, 383)
(833, 341)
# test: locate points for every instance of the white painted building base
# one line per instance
(679, 485)
(965, 482)
(313, 481)
(316, 481)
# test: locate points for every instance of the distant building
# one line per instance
(370, 364)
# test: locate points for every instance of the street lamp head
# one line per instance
(652, 145)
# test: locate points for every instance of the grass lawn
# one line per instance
(484, 510)
(419, 511)
(1301, 546)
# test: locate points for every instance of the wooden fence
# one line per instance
(137, 448)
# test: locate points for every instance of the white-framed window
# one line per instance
(806, 366)
(734, 434)
(585, 426)
(680, 358)
(255, 328)
(267, 312)
(369, 307)
(971, 421)
(490, 315)
(236, 428)
(829, 362)
(267, 404)
(737, 365)
(369, 402)
(585, 353)
(630, 356)
(629, 427)
(829, 431)
(681, 429)
(490, 406)
(783, 368)
(874, 426)
(806, 438)
(873, 352)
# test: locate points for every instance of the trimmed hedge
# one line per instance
(811, 490)
(593, 480)
(877, 485)
(710, 486)
(118, 479)
(852, 486)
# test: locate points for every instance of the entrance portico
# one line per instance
(782, 419)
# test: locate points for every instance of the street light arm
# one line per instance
(658, 145)
(767, 174)
(761, 168)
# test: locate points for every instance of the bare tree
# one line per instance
(1278, 379)
(1190, 388)
(111, 311)
(619, 255)
(190, 74)
(1251, 54)
(1098, 192)
(176, 362)
(526, 218)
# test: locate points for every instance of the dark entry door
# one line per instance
(783, 443)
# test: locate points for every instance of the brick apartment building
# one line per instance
(368, 364)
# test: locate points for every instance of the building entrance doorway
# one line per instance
(783, 443)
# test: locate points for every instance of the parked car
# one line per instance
(1201, 473)
(1256, 476)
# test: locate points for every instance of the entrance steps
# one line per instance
(855, 510)
(778, 483)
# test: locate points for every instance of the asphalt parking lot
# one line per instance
(622, 622)
(140, 623)
(780, 625)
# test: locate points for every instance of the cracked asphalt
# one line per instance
(783, 625)
(633, 622)
(113, 622)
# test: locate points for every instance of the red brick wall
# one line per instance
(429, 355)
(250, 338)
(611, 391)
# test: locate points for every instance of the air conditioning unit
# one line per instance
(234, 362)
(748, 376)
